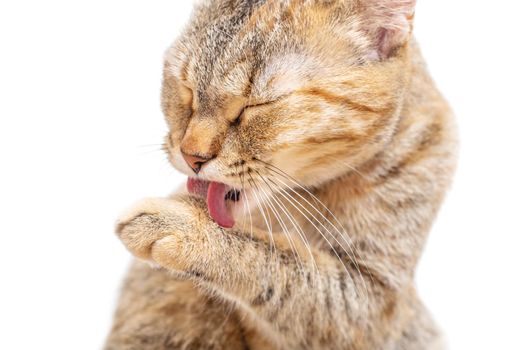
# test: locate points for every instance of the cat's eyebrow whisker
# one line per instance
(292, 220)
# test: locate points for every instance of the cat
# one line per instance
(318, 151)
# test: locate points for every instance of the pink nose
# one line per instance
(195, 162)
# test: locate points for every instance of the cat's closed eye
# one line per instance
(186, 97)
(237, 121)
(241, 116)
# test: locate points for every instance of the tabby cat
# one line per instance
(318, 152)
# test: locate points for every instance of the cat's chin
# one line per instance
(220, 198)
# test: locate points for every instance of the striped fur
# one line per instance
(323, 113)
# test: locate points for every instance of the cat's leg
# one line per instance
(300, 304)
(157, 311)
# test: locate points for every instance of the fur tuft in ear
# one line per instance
(390, 24)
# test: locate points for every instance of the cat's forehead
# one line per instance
(284, 73)
(265, 78)
(254, 50)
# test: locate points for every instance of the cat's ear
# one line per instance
(390, 24)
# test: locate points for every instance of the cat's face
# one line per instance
(307, 88)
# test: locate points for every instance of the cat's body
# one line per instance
(328, 262)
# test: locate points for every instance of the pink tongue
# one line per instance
(217, 204)
(215, 193)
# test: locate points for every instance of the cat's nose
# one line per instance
(195, 162)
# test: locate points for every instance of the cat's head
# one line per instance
(306, 88)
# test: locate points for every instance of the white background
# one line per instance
(80, 133)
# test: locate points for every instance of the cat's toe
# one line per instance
(143, 224)
(169, 252)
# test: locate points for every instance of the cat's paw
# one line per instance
(154, 219)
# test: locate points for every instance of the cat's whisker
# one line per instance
(292, 220)
(254, 185)
(245, 196)
(302, 211)
(343, 235)
(152, 148)
(349, 251)
(340, 231)
(159, 148)
(284, 227)
(313, 196)
(167, 166)
(266, 207)
(285, 231)
(153, 145)
(302, 237)
(270, 233)
(352, 256)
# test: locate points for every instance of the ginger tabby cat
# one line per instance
(318, 152)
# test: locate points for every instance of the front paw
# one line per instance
(153, 219)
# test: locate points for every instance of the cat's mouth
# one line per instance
(219, 197)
